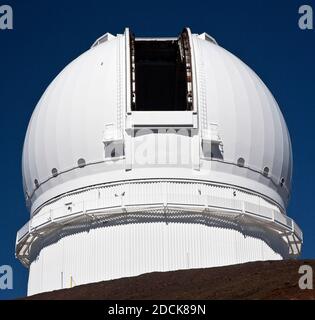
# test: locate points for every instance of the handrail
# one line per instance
(42, 222)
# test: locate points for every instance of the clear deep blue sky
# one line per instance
(49, 34)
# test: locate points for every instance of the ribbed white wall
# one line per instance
(152, 192)
(132, 249)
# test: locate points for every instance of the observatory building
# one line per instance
(154, 154)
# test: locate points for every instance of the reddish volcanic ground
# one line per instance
(253, 280)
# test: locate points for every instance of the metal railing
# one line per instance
(123, 203)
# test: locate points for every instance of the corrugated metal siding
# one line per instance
(128, 250)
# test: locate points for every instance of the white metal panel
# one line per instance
(158, 118)
(133, 249)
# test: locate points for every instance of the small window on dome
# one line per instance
(241, 162)
(36, 183)
(266, 172)
(282, 182)
(54, 172)
(81, 163)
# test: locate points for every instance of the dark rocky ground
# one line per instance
(254, 280)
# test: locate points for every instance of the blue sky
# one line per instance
(47, 35)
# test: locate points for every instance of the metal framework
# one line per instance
(185, 48)
(51, 217)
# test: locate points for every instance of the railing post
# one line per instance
(243, 206)
(206, 201)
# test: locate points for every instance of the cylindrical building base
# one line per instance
(133, 245)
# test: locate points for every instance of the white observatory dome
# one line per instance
(154, 154)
